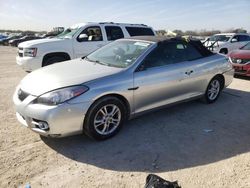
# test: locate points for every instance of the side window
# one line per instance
(114, 32)
(164, 54)
(193, 53)
(139, 31)
(236, 37)
(243, 38)
(92, 34)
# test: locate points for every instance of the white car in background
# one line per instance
(226, 42)
(77, 41)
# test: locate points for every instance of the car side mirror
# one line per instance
(234, 40)
(82, 37)
(142, 67)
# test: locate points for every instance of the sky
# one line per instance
(160, 14)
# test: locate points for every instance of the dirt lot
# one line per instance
(197, 144)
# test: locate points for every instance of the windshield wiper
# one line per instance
(96, 61)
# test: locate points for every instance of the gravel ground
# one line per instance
(197, 144)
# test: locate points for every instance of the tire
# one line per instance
(52, 60)
(101, 126)
(224, 51)
(213, 90)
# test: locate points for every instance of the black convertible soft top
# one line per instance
(161, 39)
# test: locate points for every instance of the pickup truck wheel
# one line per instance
(52, 60)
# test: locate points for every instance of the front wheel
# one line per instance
(213, 90)
(105, 118)
(52, 60)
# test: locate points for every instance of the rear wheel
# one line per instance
(52, 60)
(213, 90)
(105, 118)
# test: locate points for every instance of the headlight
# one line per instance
(30, 52)
(61, 95)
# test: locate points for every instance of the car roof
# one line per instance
(231, 34)
(225, 34)
(158, 39)
(107, 23)
(162, 39)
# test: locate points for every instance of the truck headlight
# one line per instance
(61, 95)
(30, 52)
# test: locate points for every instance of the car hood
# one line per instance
(36, 42)
(64, 74)
(241, 54)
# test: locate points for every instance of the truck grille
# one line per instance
(22, 95)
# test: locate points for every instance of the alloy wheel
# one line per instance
(214, 89)
(107, 119)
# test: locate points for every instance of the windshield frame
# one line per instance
(65, 35)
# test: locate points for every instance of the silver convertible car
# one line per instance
(96, 94)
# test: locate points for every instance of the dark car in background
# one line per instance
(15, 42)
(5, 41)
(2, 37)
(241, 60)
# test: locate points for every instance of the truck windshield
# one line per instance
(68, 33)
(246, 47)
(220, 38)
(121, 53)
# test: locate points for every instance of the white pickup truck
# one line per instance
(226, 42)
(77, 41)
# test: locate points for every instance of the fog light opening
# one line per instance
(43, 125)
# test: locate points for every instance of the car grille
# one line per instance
(22, 95)
(240, 61)
(240, 71)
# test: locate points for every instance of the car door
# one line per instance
(165, 76)
(94, 40)
(241, 40)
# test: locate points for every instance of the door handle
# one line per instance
(133, 88)
(189, 72)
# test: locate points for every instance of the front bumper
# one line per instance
(228, 76)
(29, 63)
(243, 70)
(63, 120)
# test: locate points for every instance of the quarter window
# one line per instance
(113, 32)
(192, 53)
(242, 38)
(93, 34)
(139, 31)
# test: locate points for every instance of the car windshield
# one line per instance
(68, 33)
(121, 53)
(220, 38)
(246, 47)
